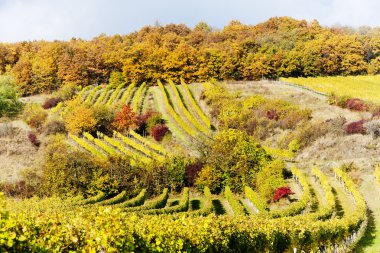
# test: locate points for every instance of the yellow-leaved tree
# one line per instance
(79, 117)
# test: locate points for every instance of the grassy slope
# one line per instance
(364, 87)
(183, 138)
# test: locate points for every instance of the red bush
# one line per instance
(125, 119)
(158, 132)
(272, 114)
(356, 127)
(282, 192)
(356, 104)
(191, 172)
(33, 139)
(51, 102)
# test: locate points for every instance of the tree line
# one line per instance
(279, 47)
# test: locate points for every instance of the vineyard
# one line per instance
(176, 138)
(181, 111)
(364, 87)
(281, 208)
(193, 222)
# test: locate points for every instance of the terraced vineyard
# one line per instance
(327, 213)
(364, 87)
(186, 120)
(192, 222)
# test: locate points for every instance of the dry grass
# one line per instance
(321, 110)
(331, 151)
(16, 152)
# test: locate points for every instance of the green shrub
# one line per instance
(9, 104)
(234, 158)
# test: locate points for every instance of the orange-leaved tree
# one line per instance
(125, 119)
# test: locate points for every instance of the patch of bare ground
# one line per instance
(16, 151)
(38, 99)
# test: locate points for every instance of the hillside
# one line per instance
(120, 175)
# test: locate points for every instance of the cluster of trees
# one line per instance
(278, 47)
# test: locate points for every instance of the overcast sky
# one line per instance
(63, 19)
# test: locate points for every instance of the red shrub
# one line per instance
(33, 139)
(356, 127)
(51, 102)
(356, 104)
(125, 119)
(272, 114)
(282, 192)
(143, 121)
(191, 172)
(159, 131)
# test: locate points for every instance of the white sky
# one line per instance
(63, 19)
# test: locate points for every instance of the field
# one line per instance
(363, 87)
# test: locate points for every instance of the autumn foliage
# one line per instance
(279, 47)
(356, 104)
(356, 127)
(51, 102)
(79, 117)
(126, 119)
(158, 132)
(33, 139)
(282, 192)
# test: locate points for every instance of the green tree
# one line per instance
(234, 159)
(9, 104)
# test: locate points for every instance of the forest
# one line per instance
(278, 47)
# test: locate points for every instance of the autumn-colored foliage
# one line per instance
(79, 117)
(279, 47)
(34, 115)
(125, 119)
(158, 132)
(356, 127)
(356, 104)
(272, 114)
(33, 139)
(51, 102)
(282, 192)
